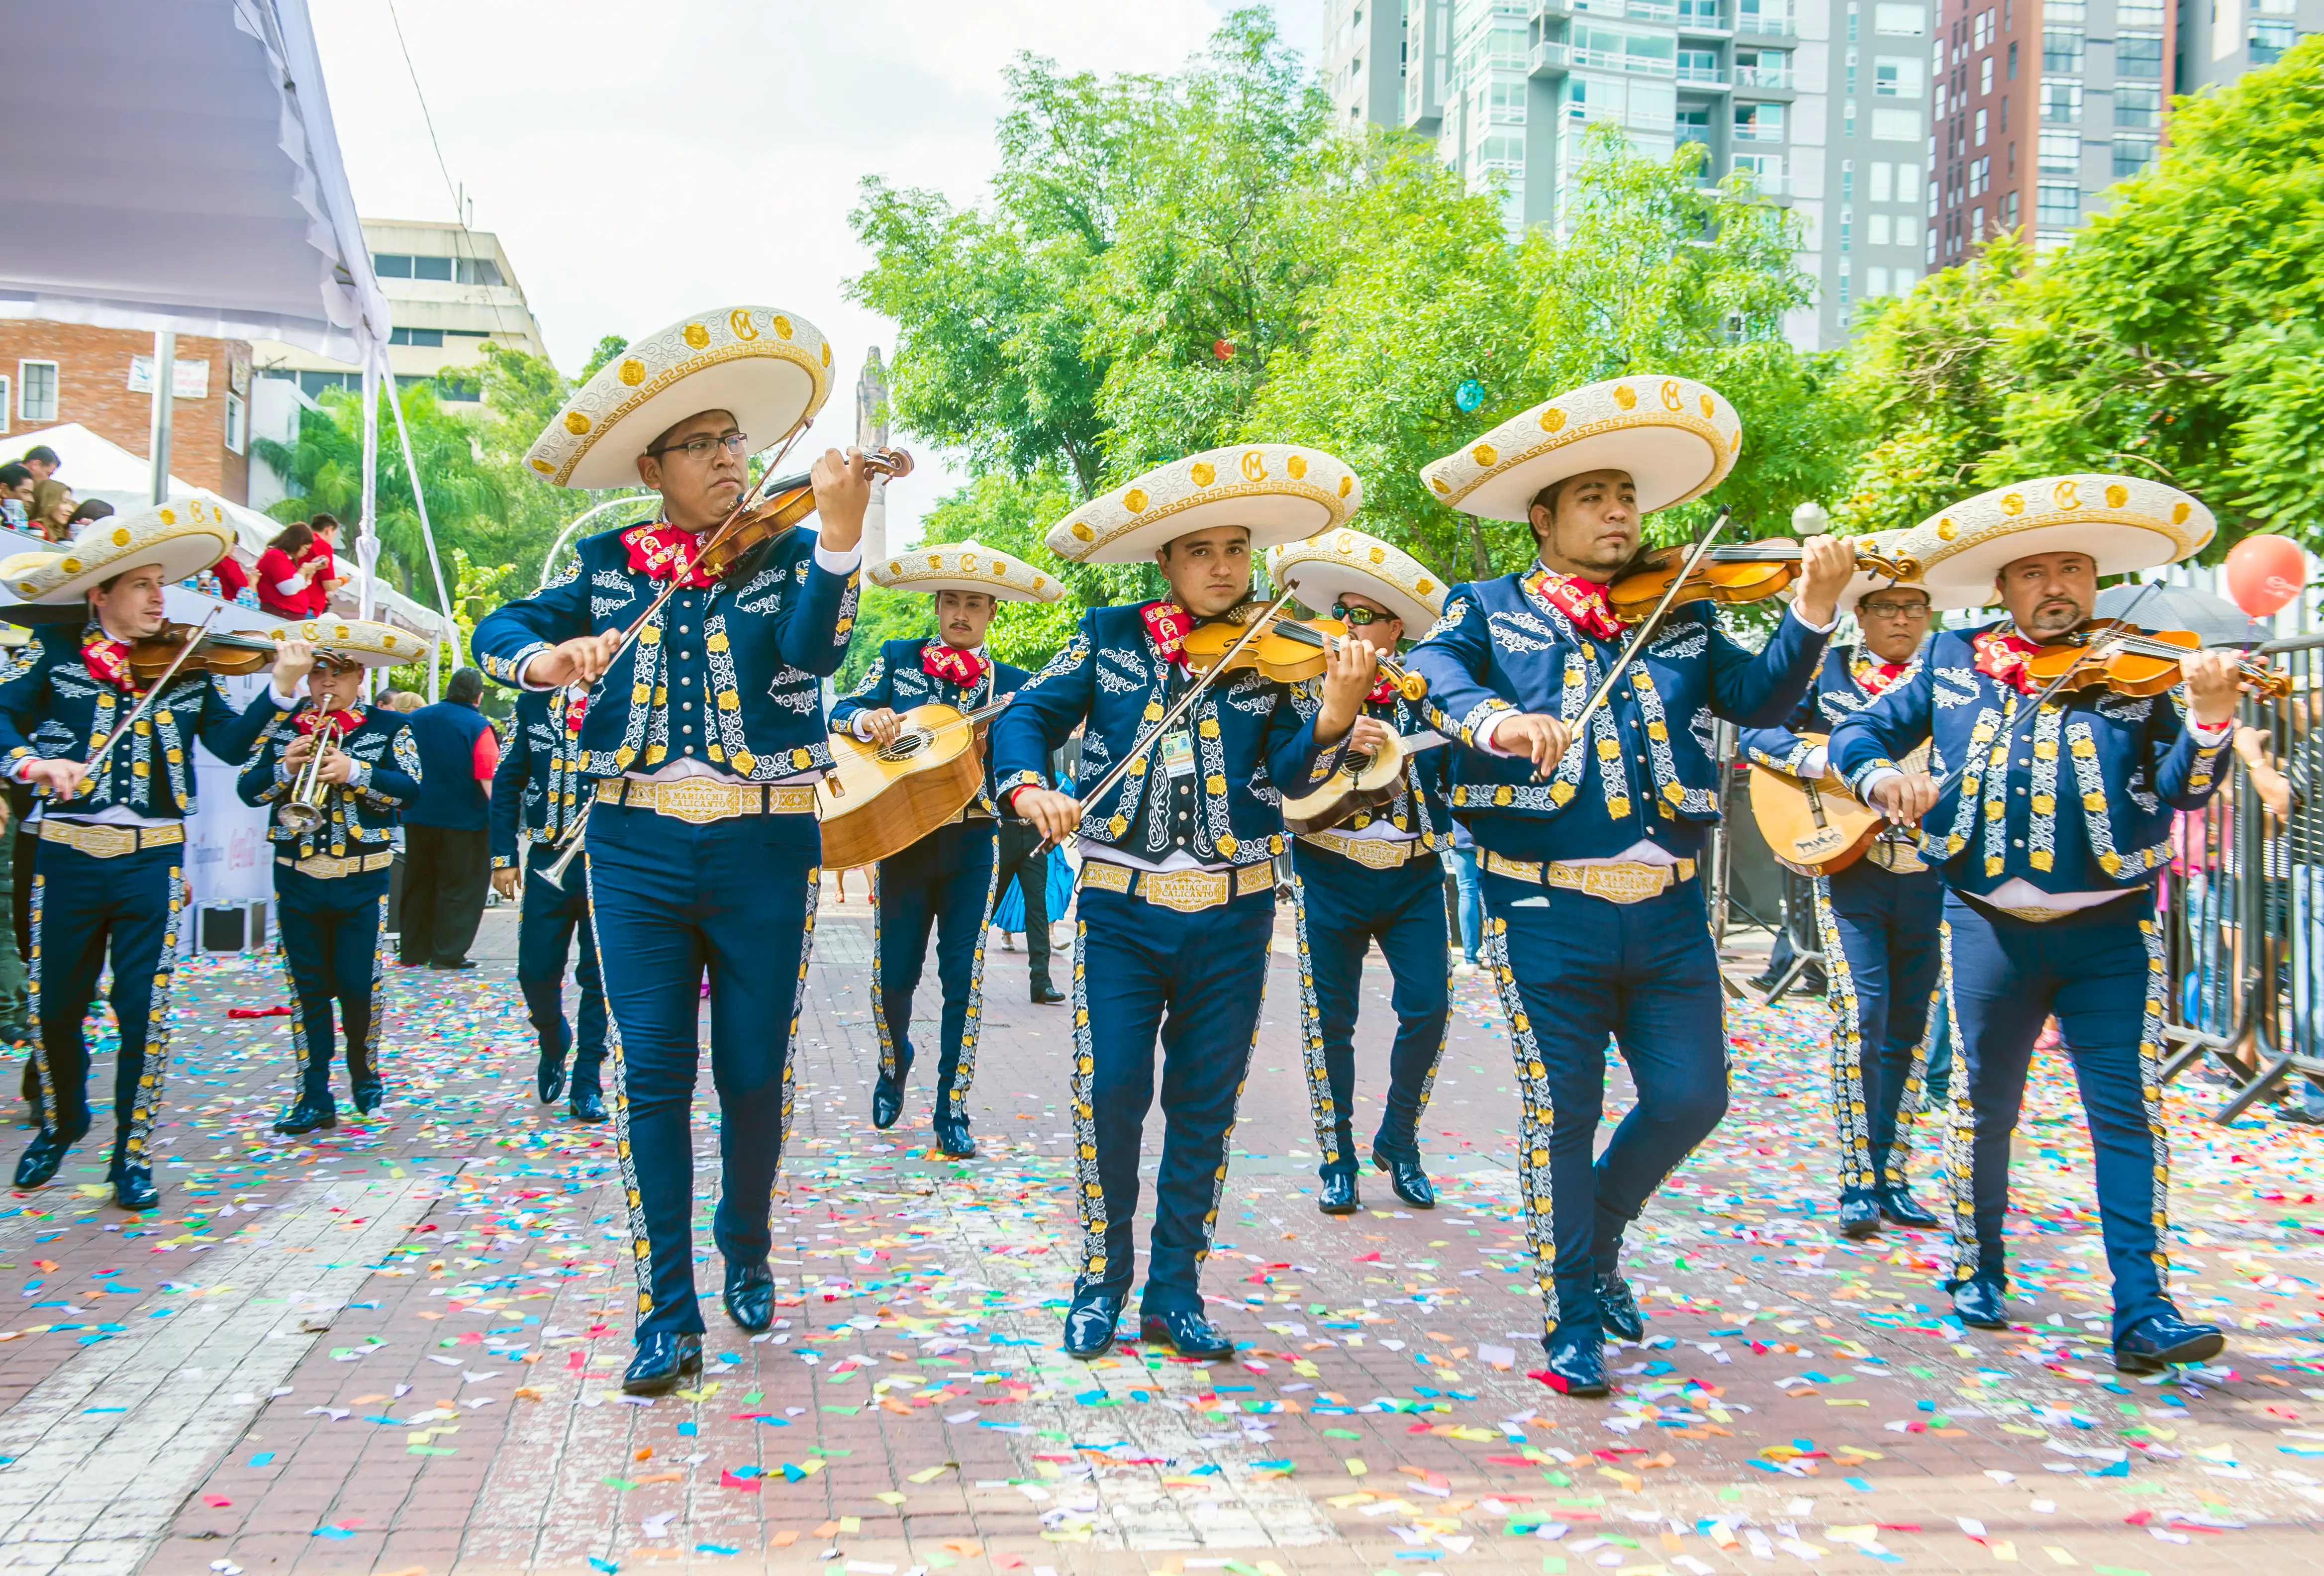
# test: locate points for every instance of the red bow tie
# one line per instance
(663, 552)
(576, 706)
(1383, 692)
(108, 662)
(963, 668)
(1582, 601)
(1169, 625)
(1875, 679)
(310, 721)
(2001, 656)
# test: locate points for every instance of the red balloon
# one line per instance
(2265, 572)
(1223, 349)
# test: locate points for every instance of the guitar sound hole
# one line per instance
(907, 745)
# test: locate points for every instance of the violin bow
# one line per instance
(146, 700)
(1646, 631)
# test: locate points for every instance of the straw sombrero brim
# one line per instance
(771, 369)
(968, 565)
(2124, 523)
(364, 641)
(1334, 564)
(1279, 491)
(1676, 438)
(181, 536)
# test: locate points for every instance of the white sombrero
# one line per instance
(1281, 491)
(1676, 438)
(2126, 524)
(367, 643)
(1333, 564)
(1865, 582)
(182, 536)
(968, 565)
(771, 369)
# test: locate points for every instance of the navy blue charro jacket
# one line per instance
(897, 681)
(359, 817)
(538, 786)
(2077, 798)
(1839, 691)
(1648, 770)
(1251, 744)
(728, 676)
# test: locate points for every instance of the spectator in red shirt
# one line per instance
(286, 571)
(327, 577)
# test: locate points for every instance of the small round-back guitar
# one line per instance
(878, 800)
(1816, 828)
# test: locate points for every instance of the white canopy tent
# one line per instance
(173, 165)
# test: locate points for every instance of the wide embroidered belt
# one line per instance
(1186, 891)
(100, 841)
(700, 800)
(327, 867)
(1622, 882)
(1372, 852)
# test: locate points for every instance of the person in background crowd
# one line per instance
(88, 510)
(1462, 859)
(15, 497)
(408, 700)
(41, 461)
(234, 580)
(447, 849)
(286, 571)
(53, 509)
(326, 576)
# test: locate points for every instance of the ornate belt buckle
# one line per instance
(698, 801)
(323, 867)
(1375, 853)
(1185, 891)
(106, 842)
(1627, 882)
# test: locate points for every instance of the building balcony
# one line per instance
(1554, 59)
(1762, 77)
(1702, 77)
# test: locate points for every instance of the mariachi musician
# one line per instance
(538, 792)
(2049, 829)
(332, 827)
(946, 879)
(1590, 848)
(1176, 907)
(1375, 876)
(707, 732)
(111, 865)
(1877, 916)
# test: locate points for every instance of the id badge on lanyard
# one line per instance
(1178, 753)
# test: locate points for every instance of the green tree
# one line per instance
(482, 588)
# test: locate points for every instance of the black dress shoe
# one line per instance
(1189, 1331)
(42, 1157)
(1981, 1304)
(588, 1106)
(307, 1114)
(751, 1296)
(2160, 1340)
(1619, 1314)
(1338, 1194)
(887, 1102)
(548, 1078)
(1900, 1208)
(1860, 1218)
(1045, 994)
(1090, 1325)
(1409, 1182)
(953, 1138)
(663, 1358)
(132, 1187)
(454, 968)
(369, 1098)
(1577, 1361)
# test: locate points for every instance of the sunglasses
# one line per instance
(1358, 617)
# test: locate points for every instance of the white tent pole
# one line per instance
(427, 533)
(367, 530)
(165, 389)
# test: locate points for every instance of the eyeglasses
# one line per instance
(1358, 617)
(1895, 609)
(697, 448)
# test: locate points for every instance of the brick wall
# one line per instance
(93, 389)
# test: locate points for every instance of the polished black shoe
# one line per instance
(751, 1296)
(2160, 1340)
(1407, 1179)
(1619, 1314)
(953, 1140)
(1090, 1325)
(306, 1115)
(1338, 1194)
(1577, 1362)
(1045, 994)
(369, 1098)
(1898, 1207)
(887, 1102)
(1981, 1304)
(42, 1157)
(132, 1187)
(663, 1358)
(588, 1106)
(1189, 1331)
(1860, 1218)
(548, 1078)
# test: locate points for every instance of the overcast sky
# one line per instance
(641, 162)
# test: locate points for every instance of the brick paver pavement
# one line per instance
(395, 1347)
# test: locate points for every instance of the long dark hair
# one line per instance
(294, 538)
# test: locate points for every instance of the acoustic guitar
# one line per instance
(1815, 828)
(878, 800)
(1362, 783)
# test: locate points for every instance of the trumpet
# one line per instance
(303, 811)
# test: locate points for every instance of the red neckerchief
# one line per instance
(310, 721)
(1383, 692)
(2001, 656)
(1168, 622)
(1582, 601)
(1875, 679)
(661, 551)
(576, 705)
(108, 662)
(942, 661)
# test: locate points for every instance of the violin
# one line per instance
(1288, 651)
(2129, 660)
(1741, 572)
(225, 652)
(782, 504)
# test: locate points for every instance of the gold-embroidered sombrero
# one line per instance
(182, 536)
(2126, 523)
(1865, 582)
(1676, 438)
(771, 369)
(364, 643)
(1333, 564)
(1281, 491)
(968, 565)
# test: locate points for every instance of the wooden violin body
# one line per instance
(1289, 651)
(785, 503)
(876, 802)
(1744, 572)
(220, 651)
(2131, 660)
